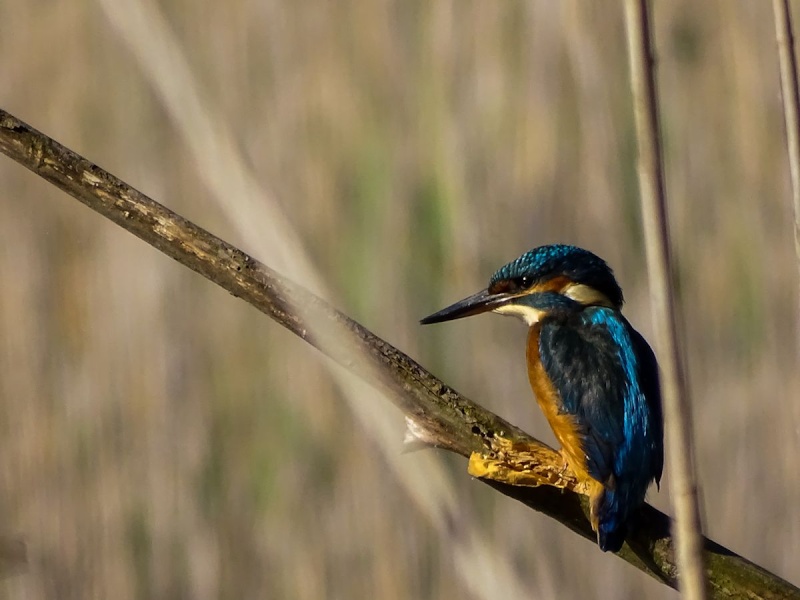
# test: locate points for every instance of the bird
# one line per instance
(594, 376)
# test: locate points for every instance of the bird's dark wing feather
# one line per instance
(649, 378)
(592, 362)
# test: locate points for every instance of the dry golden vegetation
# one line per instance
(163, 440)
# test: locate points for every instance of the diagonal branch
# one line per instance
(438, 414)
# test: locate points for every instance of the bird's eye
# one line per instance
(524, 282)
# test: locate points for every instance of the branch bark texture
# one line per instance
(447, 419)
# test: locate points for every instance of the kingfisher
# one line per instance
(594, 376)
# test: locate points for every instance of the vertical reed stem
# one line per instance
(677, 411)
(791, 105)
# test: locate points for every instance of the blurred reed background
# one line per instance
(162, 440)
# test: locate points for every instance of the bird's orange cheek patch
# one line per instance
(556, 284)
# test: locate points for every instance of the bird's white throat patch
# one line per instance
(528, 314)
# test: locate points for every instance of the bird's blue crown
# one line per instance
(546, 262)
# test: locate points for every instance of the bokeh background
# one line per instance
(161, 439)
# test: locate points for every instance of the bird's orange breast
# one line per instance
(564, 425)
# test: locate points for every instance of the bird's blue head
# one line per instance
(543, 280)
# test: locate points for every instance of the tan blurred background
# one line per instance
(161, 439)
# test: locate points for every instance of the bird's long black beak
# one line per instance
(476, 304)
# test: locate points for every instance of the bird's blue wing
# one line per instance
(607, 379)
(583, 364)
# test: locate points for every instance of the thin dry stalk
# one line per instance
(677, 409)
(261, 222)
(791, 104)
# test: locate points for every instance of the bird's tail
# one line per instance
(611, 538)
(609, 516)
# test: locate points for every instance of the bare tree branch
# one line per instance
(675, 391)
(438, 414)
